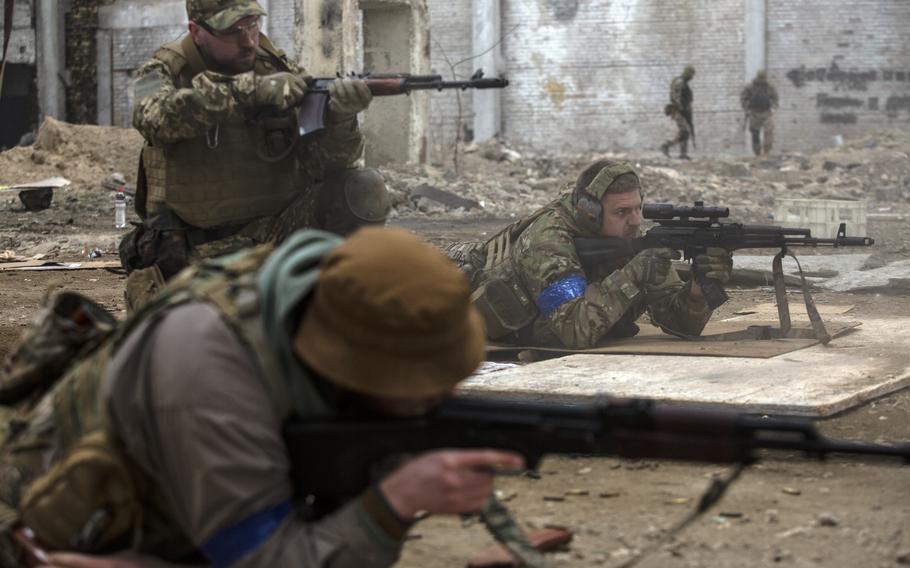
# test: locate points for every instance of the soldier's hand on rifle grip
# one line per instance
(349, 96)
(715, 263)
(651, 266)
(445, 482)
(710, 271)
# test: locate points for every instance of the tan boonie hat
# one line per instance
(391, 316)
(222, 14)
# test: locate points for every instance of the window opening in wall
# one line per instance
(18, 104)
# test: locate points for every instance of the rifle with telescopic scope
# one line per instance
(692, 229)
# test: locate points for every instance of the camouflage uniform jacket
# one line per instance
(758, 96)
(579, 308)
(174, 105)
(681, 95)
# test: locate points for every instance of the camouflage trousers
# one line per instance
(761, 126)
(683, 133)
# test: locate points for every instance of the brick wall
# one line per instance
(450, 34)
(131, 47)
(594, 75)
(281, 25)
(841, 67)
(22, 41)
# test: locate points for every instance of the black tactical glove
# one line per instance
(651, 266)
(715, 263)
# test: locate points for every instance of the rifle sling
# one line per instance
(499, 523)
(785, 331)
(712, 495)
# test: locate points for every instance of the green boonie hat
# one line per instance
(222, 14)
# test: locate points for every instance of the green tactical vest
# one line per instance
(236, 172)
(43, 434)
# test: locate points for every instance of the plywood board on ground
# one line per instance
(872, 361)
(652, 341)
(55, 265)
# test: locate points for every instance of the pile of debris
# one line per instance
(83, 154)
(496, 181)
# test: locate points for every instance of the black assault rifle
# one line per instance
(333, 460)
(311, 117)
(694, 229)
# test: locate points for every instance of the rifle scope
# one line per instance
(670, 211)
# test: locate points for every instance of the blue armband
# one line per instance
(236, 541)
(560, 292)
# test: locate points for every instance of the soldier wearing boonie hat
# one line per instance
(197, 390)
(224, 166)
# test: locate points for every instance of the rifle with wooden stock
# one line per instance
(311, 116)
(333, 460)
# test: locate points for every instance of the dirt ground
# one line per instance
(784, 511)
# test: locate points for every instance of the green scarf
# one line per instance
(284, 281)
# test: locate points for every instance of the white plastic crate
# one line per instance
(822, 216)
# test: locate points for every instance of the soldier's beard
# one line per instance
(241, 63)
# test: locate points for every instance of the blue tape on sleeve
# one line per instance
(560, 292)
(236, 541)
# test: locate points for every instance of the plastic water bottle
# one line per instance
(119, 209)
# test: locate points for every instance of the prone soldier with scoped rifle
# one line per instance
(578, 272)
(243, 147)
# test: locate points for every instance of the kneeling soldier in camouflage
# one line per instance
(224, 166)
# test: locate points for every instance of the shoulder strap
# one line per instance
(279, 55)
(191, 55)
(229, 283)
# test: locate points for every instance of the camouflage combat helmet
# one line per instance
(587, 196)
(222, 14)
(688, 73)
(761, 76)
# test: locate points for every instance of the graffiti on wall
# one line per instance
(852, 80)
(849, 88)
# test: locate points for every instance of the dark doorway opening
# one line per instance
(18, 104)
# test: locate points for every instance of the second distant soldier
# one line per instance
(680, 110)
(759, 98)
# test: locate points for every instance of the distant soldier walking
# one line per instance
(758, 99)
(680, 110)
